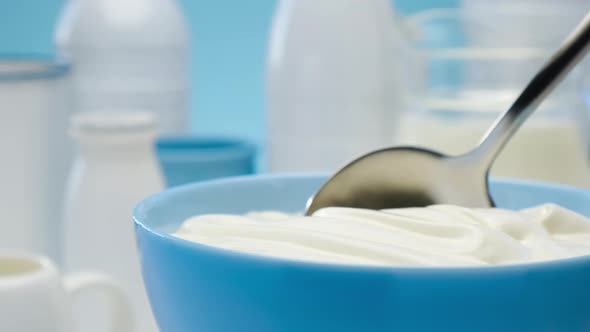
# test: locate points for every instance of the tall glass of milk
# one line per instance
(35, 150)
(468, 71)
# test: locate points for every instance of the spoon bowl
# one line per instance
(404, 177)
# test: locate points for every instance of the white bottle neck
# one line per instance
(115, 135)
(132, 147)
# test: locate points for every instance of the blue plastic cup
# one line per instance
(194, 287)
(186, 159)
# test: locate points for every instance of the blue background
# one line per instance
(229, 45)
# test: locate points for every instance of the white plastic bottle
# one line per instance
(128, 54)
(331, 82)
(116, 168)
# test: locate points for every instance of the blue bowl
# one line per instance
(186, 159)
(194, 287)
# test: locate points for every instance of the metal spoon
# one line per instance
(412, 176)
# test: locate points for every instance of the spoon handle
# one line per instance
(567, 56)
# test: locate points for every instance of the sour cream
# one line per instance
(439, 235)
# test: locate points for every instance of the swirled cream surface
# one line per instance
(439, 235)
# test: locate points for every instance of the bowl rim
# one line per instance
(146, 204)
(211, 149)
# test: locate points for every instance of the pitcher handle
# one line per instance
(119, 305)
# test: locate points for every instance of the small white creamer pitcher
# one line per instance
(35, 297)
